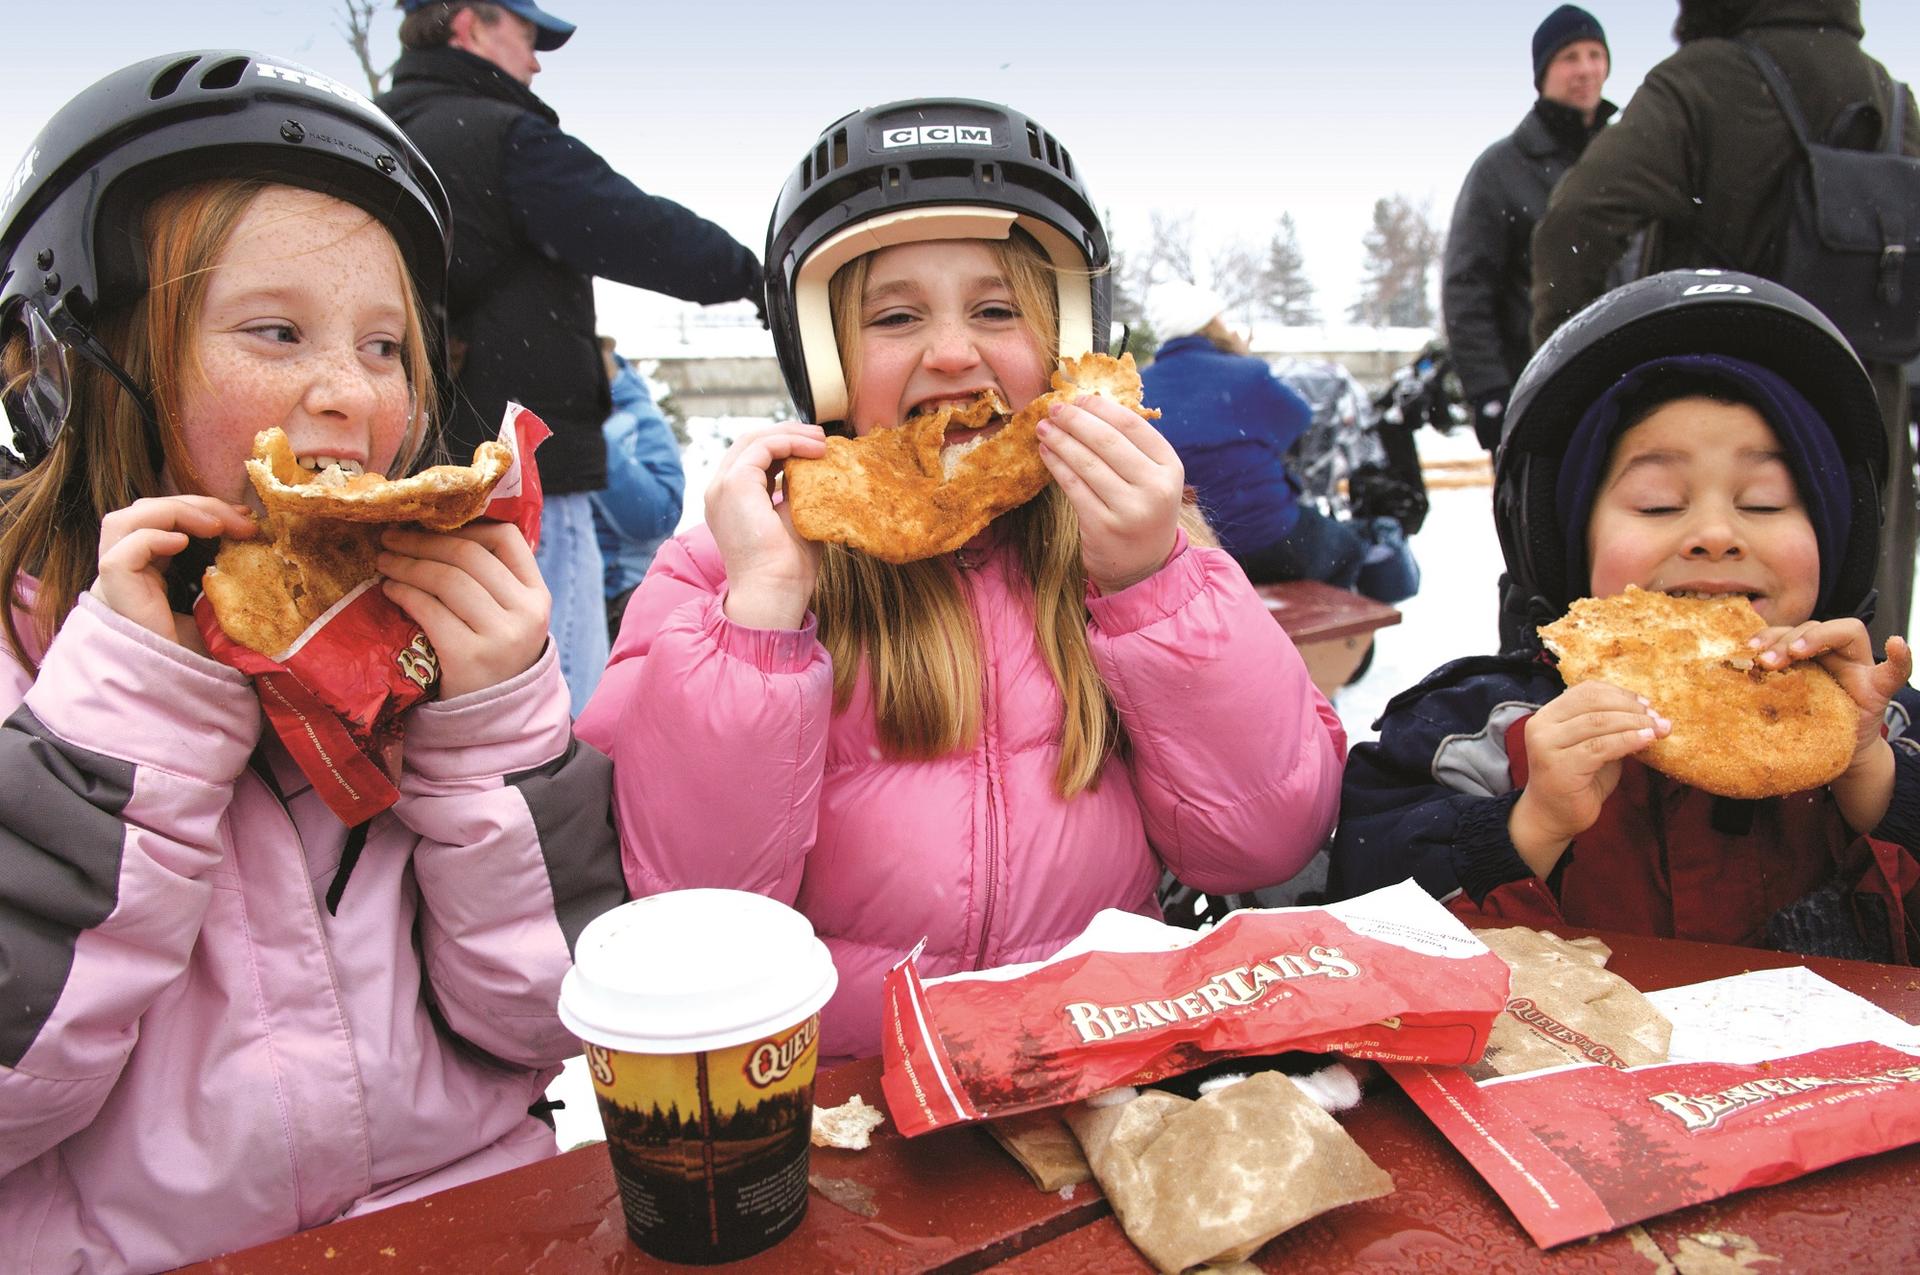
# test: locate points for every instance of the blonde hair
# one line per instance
(912, 625)
(106, 457)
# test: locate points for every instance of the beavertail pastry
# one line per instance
(1739, 729)
(321, 535)
(902, 495)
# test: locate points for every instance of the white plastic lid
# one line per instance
(694, 969)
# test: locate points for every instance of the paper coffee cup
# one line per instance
(700, 1013)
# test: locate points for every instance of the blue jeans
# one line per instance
(1318, 548)
(569, 561)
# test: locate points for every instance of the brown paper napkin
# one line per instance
(1566, 1007)
(1044, 1147)
(1214, 1179)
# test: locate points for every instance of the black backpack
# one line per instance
(1851, 242)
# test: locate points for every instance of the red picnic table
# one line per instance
(1332, 627)
(952, 1201)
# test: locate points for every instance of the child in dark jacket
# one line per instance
(1692, 433)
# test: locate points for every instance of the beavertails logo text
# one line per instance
(1229, 989)
(1704, 1111)
(771, 1060)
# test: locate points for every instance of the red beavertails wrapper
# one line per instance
(336, 695)
(1390, 975)
(517, 499)
(1770, 1075)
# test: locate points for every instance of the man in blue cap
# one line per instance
(537, 217)
(1488, 268)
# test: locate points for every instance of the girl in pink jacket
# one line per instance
(198, 1052)
(981, 749)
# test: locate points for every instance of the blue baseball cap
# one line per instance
(550, 32)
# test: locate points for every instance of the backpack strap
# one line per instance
(1782, 92)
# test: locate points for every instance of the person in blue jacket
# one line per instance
(646, 484)
(1232, 421)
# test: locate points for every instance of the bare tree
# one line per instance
(1289, 293)
(1127, 307)
(1129, 287)
(1169, 248)
(1402, 249)
(1238, 278)
(357, 27)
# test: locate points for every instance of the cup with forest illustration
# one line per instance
(700, 1014)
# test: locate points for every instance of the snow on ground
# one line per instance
(1454, 612)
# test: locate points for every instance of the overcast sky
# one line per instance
(1234, 111)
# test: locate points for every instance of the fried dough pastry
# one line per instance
(1739, 729)
(902, 495)
(321, 536)
(440, 498)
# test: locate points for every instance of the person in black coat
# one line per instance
(537, 217)
(1488, 269)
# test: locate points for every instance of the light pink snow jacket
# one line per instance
(731, 769)
(195, 1056)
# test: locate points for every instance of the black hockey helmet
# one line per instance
(70, 236)
(1677, 312)
(930, 168)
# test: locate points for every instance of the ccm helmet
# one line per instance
(70, 236)
(1677, 312)
(931, 168)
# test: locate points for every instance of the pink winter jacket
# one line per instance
(732, 769)
(194, 1055)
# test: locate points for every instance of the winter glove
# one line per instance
(1489, 414)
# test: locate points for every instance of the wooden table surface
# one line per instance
(954, 1202)
(1312, 611)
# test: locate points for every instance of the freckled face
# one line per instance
(302, 327)
(1698, 498)
(939, 323)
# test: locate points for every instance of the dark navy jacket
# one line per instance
(1430, 799)
(1232, 422)
(537, 217)
(1486, 276)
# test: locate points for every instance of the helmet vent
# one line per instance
(820, 160)
(225, 75)
(840, 148)
(893, 179)
(1033, 140)
(986, 175)
(168, 80)
(806, 171)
